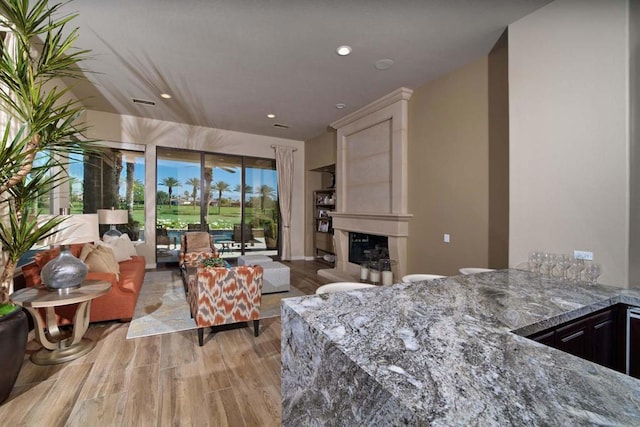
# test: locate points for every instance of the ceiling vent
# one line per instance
(143, 102)
(280, 125)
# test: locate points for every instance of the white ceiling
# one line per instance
(228, 63)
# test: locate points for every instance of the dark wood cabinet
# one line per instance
(546, 337)
(574, 339)
(606, 335)
(597, 337)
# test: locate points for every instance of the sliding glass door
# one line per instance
(223, 210)
(234, 198)
(177, 200)
(261, 203)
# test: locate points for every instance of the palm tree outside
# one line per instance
(247, 190)
(170, 183)
(220, 187)
(266, 193)
(195, 184)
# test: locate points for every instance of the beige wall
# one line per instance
(155, 133)
(319, 152)
(569, 133)
(634, 73)
(449, 172)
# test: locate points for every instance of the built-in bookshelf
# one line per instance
(324, 202)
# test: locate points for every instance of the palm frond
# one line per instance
(21, 232)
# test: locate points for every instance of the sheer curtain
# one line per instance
(284, 168)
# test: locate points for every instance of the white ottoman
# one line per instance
(253, 259)
(275, 278)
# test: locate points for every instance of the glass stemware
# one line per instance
(575, 271)
(563, 262)
(548, 263)
(592, 271)
(535, 261)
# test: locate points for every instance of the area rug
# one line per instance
(162, 306)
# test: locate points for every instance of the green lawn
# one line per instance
(177, 217)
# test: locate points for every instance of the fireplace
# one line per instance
(363, 246)
(371, 180)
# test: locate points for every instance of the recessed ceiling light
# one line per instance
(340, 106)
(343, 50)
(165, 95)
(383, 64)
(271, 116)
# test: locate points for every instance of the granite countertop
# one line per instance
(450, 352)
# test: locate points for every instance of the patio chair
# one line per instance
(198, 227)
(248, 234)
(162, 237)
(195, 246)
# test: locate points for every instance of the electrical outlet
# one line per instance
(447, 238)
(586, 255)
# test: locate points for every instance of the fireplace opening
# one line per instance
(362, 245)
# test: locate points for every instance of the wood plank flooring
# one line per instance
(162, 380)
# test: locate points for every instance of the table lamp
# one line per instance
(66, 272)
(112, 217)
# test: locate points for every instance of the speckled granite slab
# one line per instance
(445, 353)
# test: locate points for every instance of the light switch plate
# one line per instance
(586, 255)
(447, 238)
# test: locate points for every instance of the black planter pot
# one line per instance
(13, 342)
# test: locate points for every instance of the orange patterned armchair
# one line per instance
(194, 247)
(225, 295)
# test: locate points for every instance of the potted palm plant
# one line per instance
(39, 131)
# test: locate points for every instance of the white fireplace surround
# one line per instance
(371, 178)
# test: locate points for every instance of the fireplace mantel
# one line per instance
(386, 224)
(371, 176)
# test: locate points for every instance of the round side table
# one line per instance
(59, 346)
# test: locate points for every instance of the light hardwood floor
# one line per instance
(233, 380)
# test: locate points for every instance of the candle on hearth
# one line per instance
(386, 270)
(364, 272)
(374, 276)
(387, 278)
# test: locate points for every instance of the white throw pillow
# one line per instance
(119, 250)
(101, 259)
(122, 242)
(125, 242)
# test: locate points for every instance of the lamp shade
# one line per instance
(80, 228)
(67, 272)
(113, 216)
